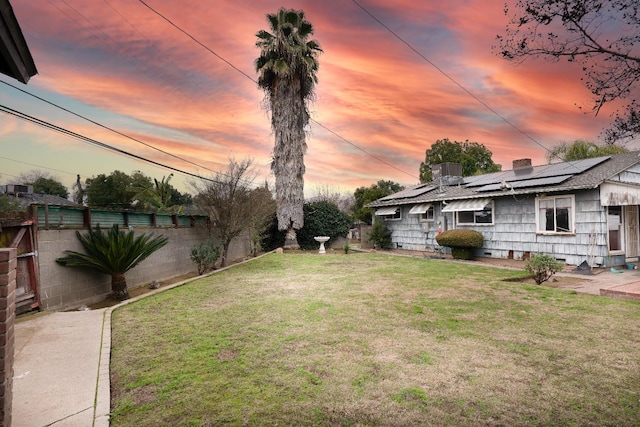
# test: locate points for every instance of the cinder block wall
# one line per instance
(65, 287)
(8, 265)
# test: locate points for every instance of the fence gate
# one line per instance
(21, 234)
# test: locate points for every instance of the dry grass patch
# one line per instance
(375, 340)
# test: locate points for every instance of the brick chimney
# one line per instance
(522, 164)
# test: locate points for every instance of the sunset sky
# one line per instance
(118, 63)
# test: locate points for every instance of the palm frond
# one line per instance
(114, 252)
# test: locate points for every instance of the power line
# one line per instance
(36, 166)
(91, 141)
(256, 82)
(454, 81)
(105, 127)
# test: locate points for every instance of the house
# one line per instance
(24, 196)
(585, 210)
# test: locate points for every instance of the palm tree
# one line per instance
(113, 253)
(287, 68)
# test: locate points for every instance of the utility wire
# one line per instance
(106, 127)
(454, 81)
(36, 166)
(208, 49)
(91, 141)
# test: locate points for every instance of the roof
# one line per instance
(41, 199)
(15, 58)
(551, 178)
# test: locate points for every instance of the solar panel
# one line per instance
(411, 192)
(568, 169)
(525, 183)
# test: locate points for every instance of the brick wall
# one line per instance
(8, 264)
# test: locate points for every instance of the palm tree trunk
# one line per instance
(119, 287)
(291, 240)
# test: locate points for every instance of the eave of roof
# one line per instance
(15, 58)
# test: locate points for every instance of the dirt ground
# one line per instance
(141, 290)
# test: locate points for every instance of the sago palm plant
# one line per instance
(114, 252)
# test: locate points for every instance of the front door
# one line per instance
(632, 232)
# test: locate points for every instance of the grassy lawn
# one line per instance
(373, 340)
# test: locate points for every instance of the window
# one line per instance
(394, 216)
(484, 216)
(428, 215)
(389, 213)
(424, 210)
(555, 214)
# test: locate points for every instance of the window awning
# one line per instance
(387, 211)
(466, 205)
(420, 209)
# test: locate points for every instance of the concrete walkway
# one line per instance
(61, 368)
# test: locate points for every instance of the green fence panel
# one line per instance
(139, 219)
(60, 216)
(106, 219)
(163, 220)
(184, 221)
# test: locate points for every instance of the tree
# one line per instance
(287, 68)
(327, 193)
(232, 205)
(113, 253)
(365, 195)
(43, 183)
(79, 192)
(160, 196)
(115, 190)
(603, 36)
(322, 218)
(579, 149)
(475, 158)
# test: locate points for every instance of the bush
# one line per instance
(272, 237)
(542, 267)
(205, 255)
(462, 253)
(460, 238)
(322, 218)
(380, 235)
(8, 205)
(461, 242)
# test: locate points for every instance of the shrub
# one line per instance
(380, 235)
(346, 248)
(272, 237)
(322, 218)
(460, 238)
(461, 242)
(542, 267)
(7, 205)
(205, 255)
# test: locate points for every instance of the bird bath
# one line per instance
(321, 239)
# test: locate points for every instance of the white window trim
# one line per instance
(572, 216)
(478, 224)
(393, 217)
(422, 217)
